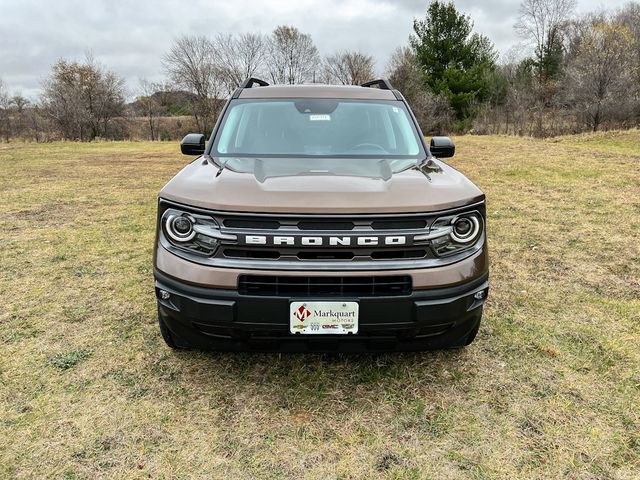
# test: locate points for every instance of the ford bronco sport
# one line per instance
(316, 218)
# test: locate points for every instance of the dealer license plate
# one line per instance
(323, 317)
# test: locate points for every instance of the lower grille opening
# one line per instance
(393, 254)
(337, 255)
(242, 253)
(286, 286)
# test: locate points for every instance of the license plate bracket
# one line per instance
(323, 317)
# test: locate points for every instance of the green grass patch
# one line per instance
(66, 360)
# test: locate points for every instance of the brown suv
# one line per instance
(318, 219)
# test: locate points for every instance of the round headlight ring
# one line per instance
(468, 236)
(179, 235)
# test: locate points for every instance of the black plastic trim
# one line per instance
(381, 83)
(226, 321)
(251, 81)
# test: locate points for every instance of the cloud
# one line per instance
(131, 37)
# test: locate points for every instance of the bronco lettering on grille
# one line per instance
(323, 241)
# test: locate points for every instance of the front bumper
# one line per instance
(222, 319)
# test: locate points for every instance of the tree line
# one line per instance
(82, 100)
(571, 73)
(583, 73)
(212, 68)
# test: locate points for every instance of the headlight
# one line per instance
(180, 227)
(192, 232)
(465, 229)
(455, 233)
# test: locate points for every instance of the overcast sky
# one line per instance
(130, 37)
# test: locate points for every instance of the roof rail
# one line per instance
(381, 83)
(250, 82)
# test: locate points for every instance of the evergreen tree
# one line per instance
(549, 57)
(455, 61)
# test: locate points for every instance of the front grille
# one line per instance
(398, 224)
(251, 224)
(328, 255)
(319, 244)
(245, 253)
(398, 254)
(263, 228)
(317, 225)
(289, 286)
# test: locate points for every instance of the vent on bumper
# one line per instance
(287, 286)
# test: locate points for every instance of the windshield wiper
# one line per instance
(218, 164)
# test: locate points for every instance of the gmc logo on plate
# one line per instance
(325, 241)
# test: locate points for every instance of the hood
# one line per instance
(432, 187)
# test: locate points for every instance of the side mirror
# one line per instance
(442, 147)
(192, 144)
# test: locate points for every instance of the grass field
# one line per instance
(550, 389)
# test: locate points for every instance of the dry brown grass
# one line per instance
(550, 389)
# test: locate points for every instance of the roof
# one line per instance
(317, 91)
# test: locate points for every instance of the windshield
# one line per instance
(317, 128)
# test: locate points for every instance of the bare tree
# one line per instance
(516, 107)
(239, 57)
(5, 119)
(404, 72)
(149, 105)
(541, 22)
(83, 99)
(600, 74)
(19, 106)
(19, 117)
(191, 64)
(629, 16)
(292, 56)
(433, 112)
(348, 68)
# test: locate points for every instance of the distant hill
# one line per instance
(172, 102)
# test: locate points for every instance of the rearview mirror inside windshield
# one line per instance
(316, 106)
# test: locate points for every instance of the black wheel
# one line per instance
(169, 338)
